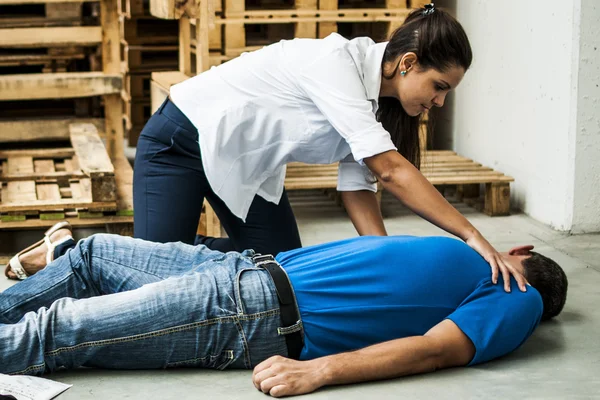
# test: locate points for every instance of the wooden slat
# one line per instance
(45, 205)
(46, 176)
(38, 153)
(303, 16)
(48, 191)
(43, 166)
(167, 79)
(19, 166)
(56, 36)
(16, 192)
(90, 150)
(42, 129)
(60, 85)
(16, 2)
(174, 9)
(94, 161)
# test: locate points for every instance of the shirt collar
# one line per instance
(372, 69)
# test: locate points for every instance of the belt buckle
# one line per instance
(260, 258)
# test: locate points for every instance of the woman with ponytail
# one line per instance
(227, 134)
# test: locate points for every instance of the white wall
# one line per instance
(586, 215)
(517, 108)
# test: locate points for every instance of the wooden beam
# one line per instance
(497, 199)
(50, 37)
(94, 161)
(111, 64)
(42, 129)
(61, 85)
(16, 2)
(175, 9)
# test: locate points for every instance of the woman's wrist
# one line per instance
(470, 233)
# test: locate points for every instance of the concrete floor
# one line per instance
(560, 361)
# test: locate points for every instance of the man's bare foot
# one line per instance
(34, 260)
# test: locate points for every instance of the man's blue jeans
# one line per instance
(117, 302)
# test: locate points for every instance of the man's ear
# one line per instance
(521, 250)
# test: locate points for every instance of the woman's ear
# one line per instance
(408, 61)
(521, 250)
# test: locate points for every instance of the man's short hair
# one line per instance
(550, 280)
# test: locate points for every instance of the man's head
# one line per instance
(543, 274)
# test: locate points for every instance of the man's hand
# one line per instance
(279, 376)
(478, 243)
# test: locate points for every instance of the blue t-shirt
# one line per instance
(366, 290)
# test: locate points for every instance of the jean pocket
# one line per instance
(214, 361)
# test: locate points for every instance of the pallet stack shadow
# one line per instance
(150, 44)
(213, 31)
(61, 115)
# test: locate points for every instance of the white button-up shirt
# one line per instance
(306, 100)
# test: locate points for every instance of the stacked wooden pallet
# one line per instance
(50, 65)
(61, 114)
(151, 44)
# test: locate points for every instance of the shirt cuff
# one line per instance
(353, 177)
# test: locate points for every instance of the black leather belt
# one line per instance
(290, 316)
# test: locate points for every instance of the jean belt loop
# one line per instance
(291, 329)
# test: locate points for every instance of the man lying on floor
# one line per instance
(369, 308)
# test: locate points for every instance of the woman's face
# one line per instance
(419, 90)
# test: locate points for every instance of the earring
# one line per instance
(403, 73)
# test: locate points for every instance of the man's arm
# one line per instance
(444, 346)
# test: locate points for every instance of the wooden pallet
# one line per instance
(441, 167)
(215, 38)
(41, 14)
(48, 182)
(150, 31)
(104, 80)
(146, 59)
(119, 221)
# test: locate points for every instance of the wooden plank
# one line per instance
(46, 176)
(234, 34)
(38, 153)
(43, 166)
(34, 223)
(56, 36)
(17, 2)
(185, 57)
(306, 29)
(42, 129)
(19, 165)
(17, 192)
(94, 161)
(295, 16)
(202, 41)
(169, 78)
(48, 191)
(124, 179)
(326, 28)
(111, 64)
(90, 150)
(497, 199)
(60, 85)
(51, 205)
(174, 9)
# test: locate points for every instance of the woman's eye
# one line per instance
(438, 88)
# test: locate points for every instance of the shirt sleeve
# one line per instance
(353, 176)
(332, 82)
(498, 322)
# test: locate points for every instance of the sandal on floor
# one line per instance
(14, 263)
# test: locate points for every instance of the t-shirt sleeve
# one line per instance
(333, 84)
(353, 176)
(498, 322)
